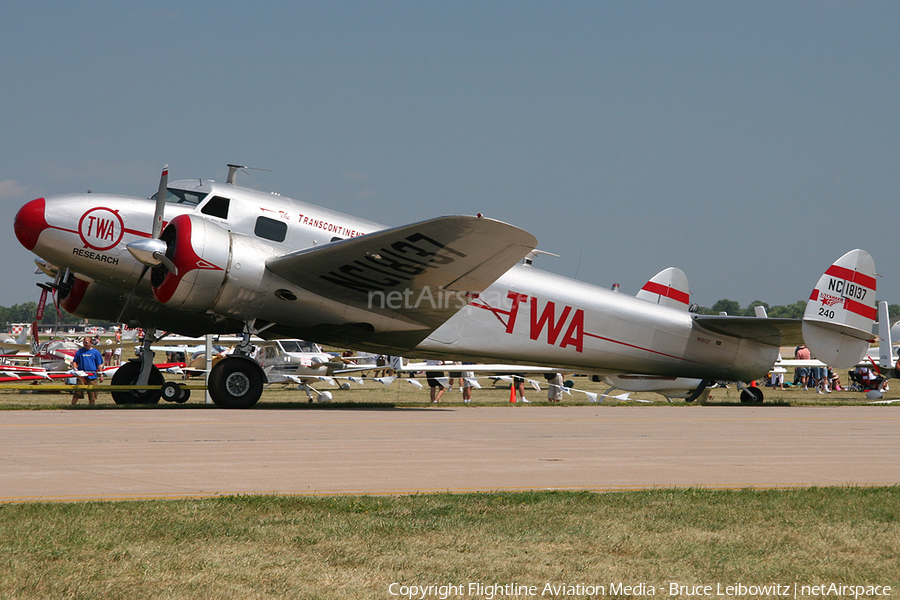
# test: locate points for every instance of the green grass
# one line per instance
(401, 393)
(355, 547)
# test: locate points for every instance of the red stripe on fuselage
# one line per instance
(606, 339)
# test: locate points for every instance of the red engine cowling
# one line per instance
(200, 251)
(90, 300)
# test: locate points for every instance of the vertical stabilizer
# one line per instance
(885, 347)
(669, 287)
(840, 314)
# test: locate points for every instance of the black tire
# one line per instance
(128, 375)
(183, 396)
(751, 395)
(236, 382)
(170, 391)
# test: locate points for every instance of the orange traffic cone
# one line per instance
(512, 394)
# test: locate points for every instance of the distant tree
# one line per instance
(789, 311)
(731, 307)
(22, 313)
(750, 312)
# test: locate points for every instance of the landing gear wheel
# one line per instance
(170, 391)
(183, 396)
(751, 395)
(236, 382)
(128, 375)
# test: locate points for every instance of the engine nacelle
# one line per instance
(200, 251)
(91, 301)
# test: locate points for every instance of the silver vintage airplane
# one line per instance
(209, 257)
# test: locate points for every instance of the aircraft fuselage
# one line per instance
(526, 316)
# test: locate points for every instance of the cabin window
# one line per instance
(270, 229)
(216, 207)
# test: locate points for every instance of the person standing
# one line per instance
(519, 386)
(89, 361)
(466, 384)
(554, 387)
(433, 378)
(803, 373)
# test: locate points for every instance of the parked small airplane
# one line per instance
(224, 258)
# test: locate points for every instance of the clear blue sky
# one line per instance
(749, 144)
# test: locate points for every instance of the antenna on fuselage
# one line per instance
(233, 169)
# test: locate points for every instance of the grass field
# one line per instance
(356, 547)
(402, 393)
(382, 547)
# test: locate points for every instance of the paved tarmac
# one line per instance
(187, 452)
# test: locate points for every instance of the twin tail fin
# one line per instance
(840, 314)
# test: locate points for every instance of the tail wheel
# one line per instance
(751, 395)
(128, 375)
(236, 382)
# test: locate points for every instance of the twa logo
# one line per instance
(100, 228)
(828, 300)
(565, 326)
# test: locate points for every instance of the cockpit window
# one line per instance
(182, 197)
(270, 229)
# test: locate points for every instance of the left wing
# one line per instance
(419, 274)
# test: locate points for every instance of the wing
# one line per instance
(772, 331)
(420, 274)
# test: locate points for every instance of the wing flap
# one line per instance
(421, 273)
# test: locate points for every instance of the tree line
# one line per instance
(25, 313)
(789, 311)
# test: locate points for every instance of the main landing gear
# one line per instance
(141, 371)
(237, 381)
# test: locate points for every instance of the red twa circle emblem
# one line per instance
(101, 228)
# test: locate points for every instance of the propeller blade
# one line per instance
(166, 262)
(161, 196)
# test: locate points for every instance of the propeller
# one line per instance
(152, 252)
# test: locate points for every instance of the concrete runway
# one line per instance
(182, 452)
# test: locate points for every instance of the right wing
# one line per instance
(420, 274)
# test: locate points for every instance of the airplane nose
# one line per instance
(30, 222)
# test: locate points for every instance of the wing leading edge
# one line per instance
(421, 273)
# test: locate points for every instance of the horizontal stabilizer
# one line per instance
(669, 287)
(774, 332)
(840, 314)
(421, 273)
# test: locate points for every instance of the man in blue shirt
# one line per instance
(89, 360)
